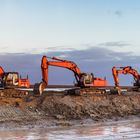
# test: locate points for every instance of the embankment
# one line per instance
(52, 110)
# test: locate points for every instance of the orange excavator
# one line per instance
(125, 70)
(82, 79)
(12, 80)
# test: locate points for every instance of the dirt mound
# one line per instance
(51, 108)
(95, 107)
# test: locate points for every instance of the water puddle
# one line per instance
(121, 130)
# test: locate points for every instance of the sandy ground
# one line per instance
(61, 110)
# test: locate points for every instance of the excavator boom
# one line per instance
(58, 63)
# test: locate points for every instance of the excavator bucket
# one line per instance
(39, 88)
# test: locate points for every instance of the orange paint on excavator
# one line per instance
(24, 82)
(99, 82)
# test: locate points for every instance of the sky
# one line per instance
(96, 34)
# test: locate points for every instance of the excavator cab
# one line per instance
(86, 80)
(10, 79)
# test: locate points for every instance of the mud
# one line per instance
(61, 110)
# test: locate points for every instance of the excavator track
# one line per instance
(85, 91)
(13, 93)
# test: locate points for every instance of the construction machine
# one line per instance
(12, 80)
(83, 80)
(125, 70)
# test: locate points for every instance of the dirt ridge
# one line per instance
(53, 109)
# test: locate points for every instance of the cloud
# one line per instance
(59, 48)
(115, 44)
(93, 53)
(98, 60)
(118, 13)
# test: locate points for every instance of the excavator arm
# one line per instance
(124, 70)
(58, 63)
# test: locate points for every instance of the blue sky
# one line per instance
(43, 26)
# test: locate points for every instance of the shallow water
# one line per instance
(122, 130)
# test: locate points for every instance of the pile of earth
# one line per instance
(50, 110)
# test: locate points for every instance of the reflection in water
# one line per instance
(106, 131)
